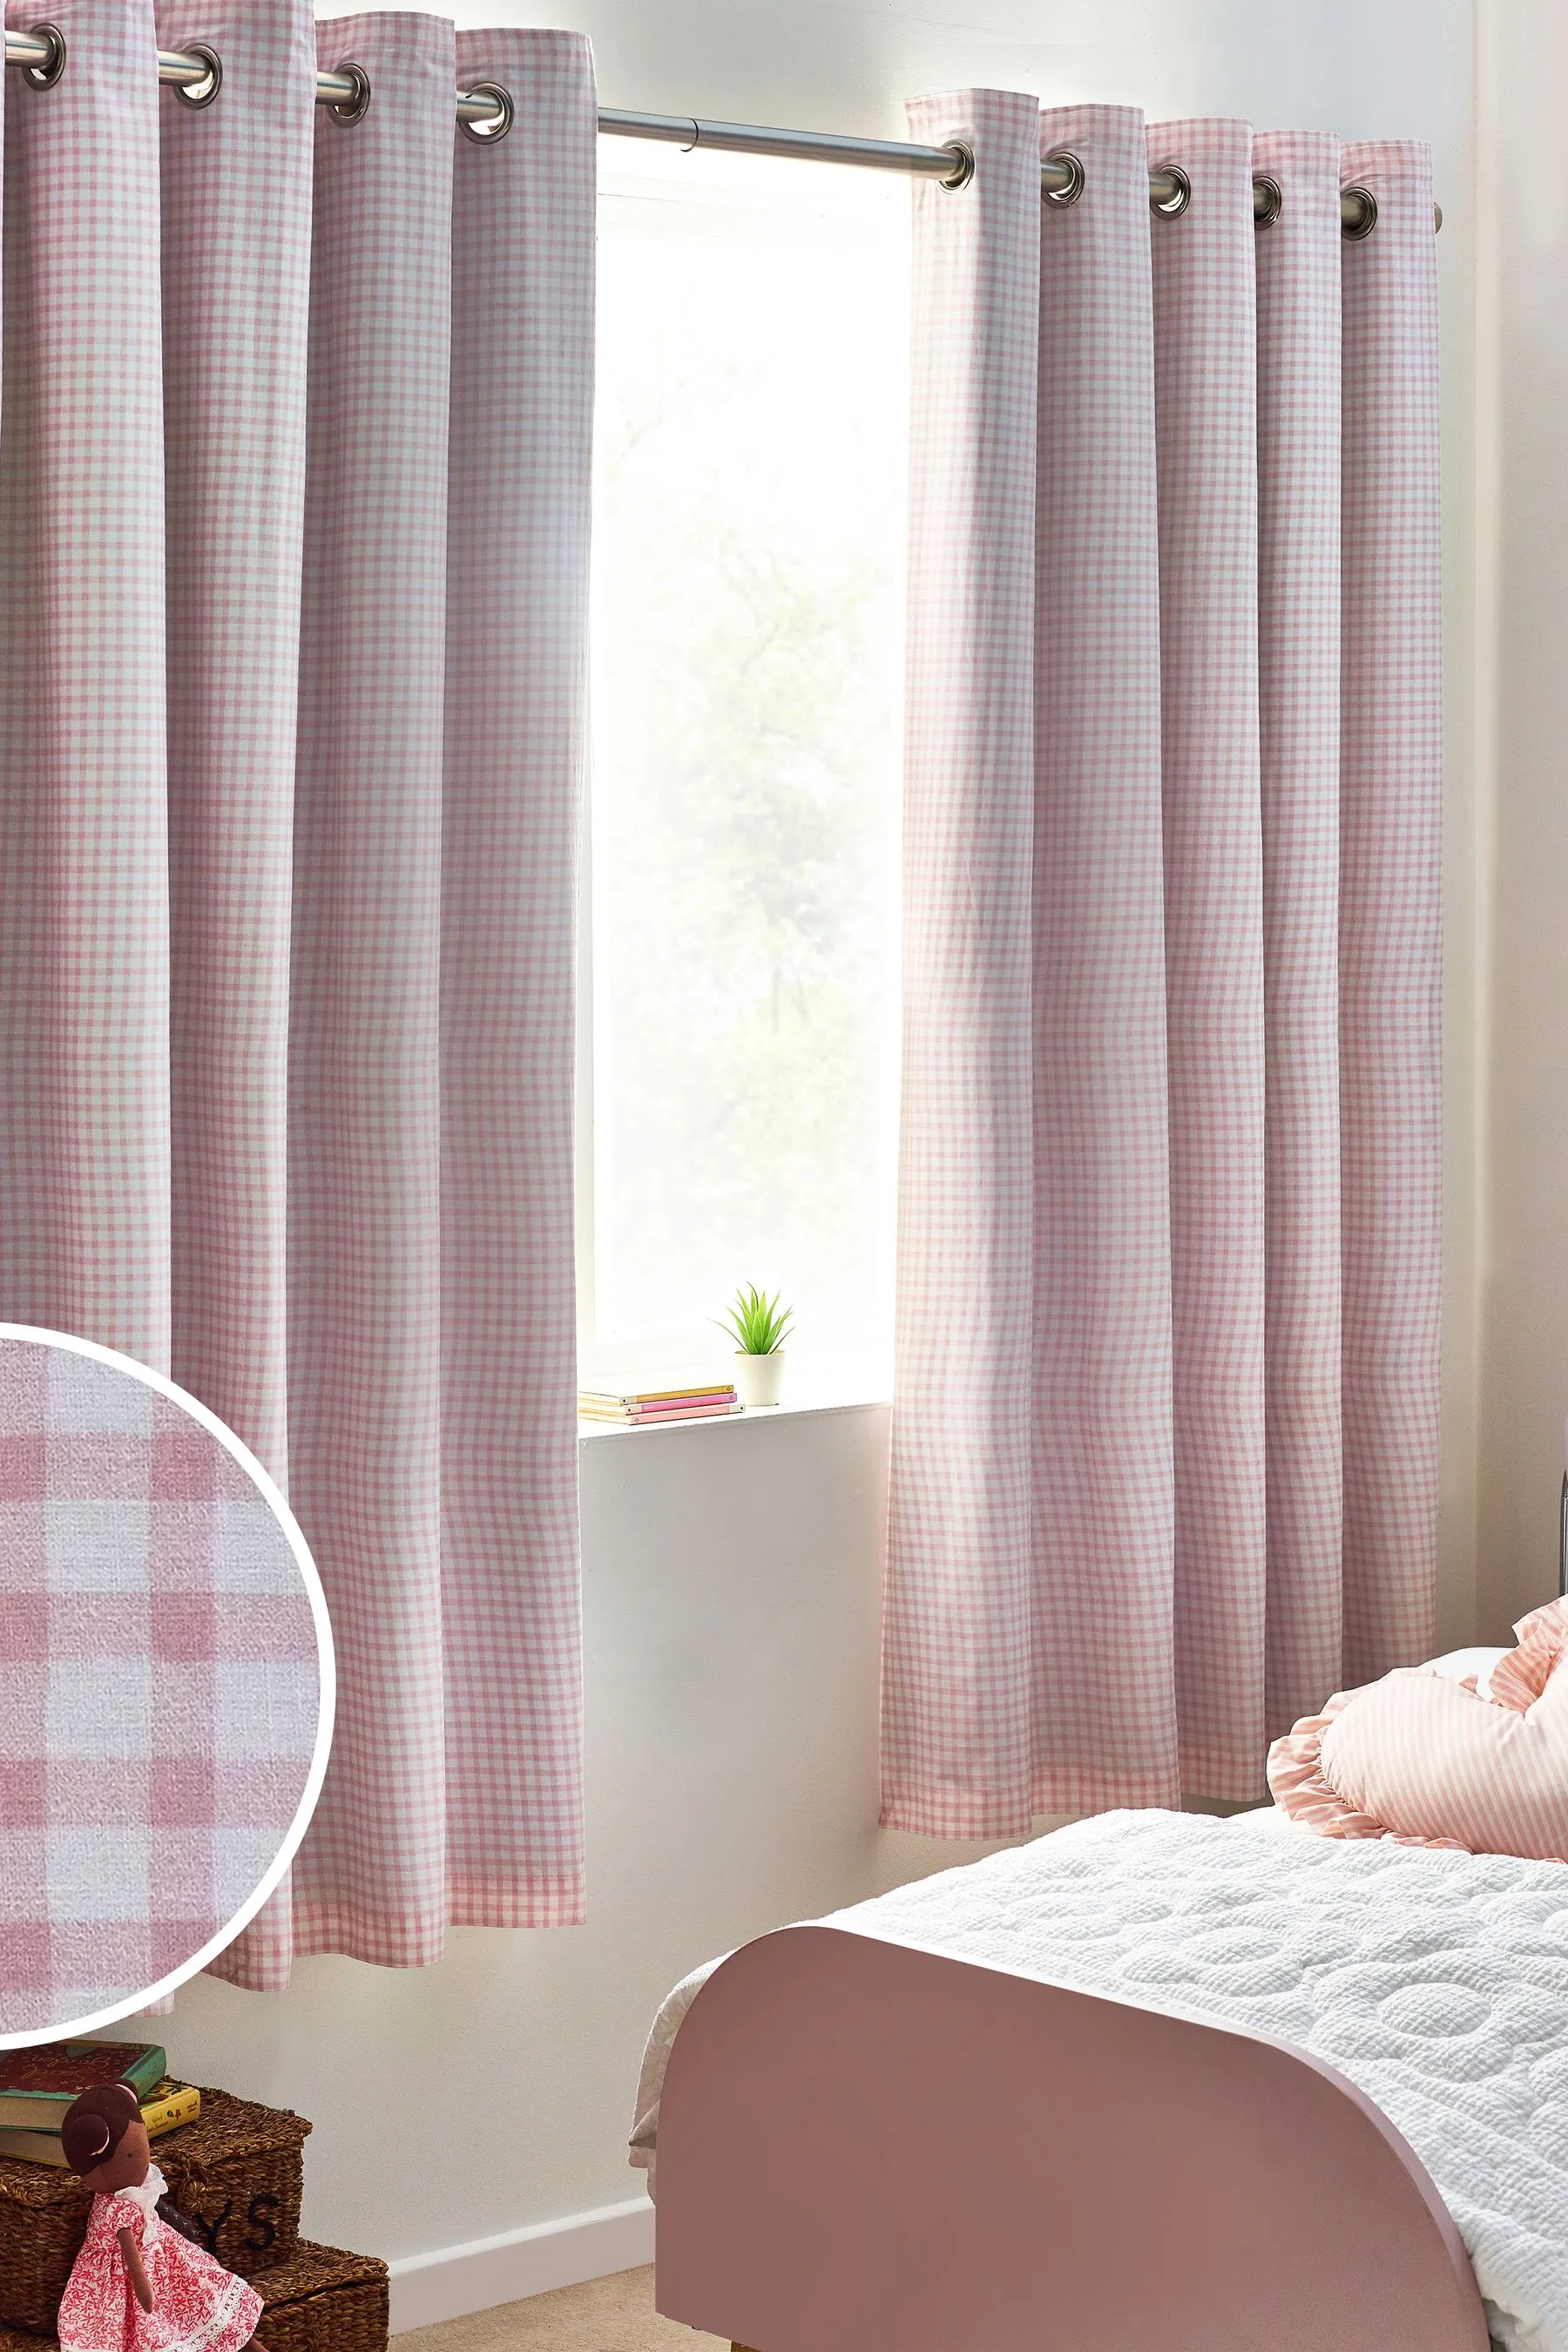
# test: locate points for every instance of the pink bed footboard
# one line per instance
(864, 2148)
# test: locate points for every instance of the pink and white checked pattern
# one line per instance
(1115, 1548)
(365, 1269)
(1391, 913)
(957, 1672)
(288, 1048)
(522, 374)
(1299, 685)
(84, 851)
(1105, 1717)
(159, 1686)
(1029, 1596)
(432, 1375)
(1206, 412)
(236, 319)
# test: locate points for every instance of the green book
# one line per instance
(38, 2086)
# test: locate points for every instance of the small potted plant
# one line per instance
(757, 1324)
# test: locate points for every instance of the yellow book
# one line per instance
(169, 2105)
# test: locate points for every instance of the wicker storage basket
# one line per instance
(43, 2220)
(237, 2170)
(321, 2300)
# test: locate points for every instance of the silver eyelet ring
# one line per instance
(349, 111)
(197, 94)
(963, 170)
(488, 134)
(1070, 188)
(1366, 220)
(1171, 199)
(1437, 220)
(1268, 201)
(45, 77)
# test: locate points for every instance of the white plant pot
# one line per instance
(759, 1380)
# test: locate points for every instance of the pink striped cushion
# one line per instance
(1429, 1761)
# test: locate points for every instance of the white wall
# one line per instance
(731, 1571)
(731, 1610)
(1524, 397)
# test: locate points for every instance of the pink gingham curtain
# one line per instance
(294, 499)
(1165, 1432)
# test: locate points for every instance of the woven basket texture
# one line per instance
(238, 2170)
(324, 2300)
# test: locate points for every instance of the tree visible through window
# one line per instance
(741, 1075)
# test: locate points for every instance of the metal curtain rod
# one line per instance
(1061, 177)
(485, 114)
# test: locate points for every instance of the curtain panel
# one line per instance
(294, 497)
(1165, 1434)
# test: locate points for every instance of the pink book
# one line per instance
(683, 1413)
(717, 1404)
(664, 1413)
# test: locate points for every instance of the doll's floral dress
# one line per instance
(198, 2307)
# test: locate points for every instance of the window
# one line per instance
(739, 1094)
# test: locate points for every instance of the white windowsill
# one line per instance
(748, 1418)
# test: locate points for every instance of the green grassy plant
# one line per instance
(756, 1322)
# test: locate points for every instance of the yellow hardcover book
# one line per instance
(169, 2105)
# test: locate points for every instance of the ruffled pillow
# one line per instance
(1429, 1761)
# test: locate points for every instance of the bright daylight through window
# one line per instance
(740, 1062)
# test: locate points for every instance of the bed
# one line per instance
(1150, 2084)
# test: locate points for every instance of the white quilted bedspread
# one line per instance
(1437, 1982)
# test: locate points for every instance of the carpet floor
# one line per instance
(607, 2314)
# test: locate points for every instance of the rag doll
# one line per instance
(139, 2285)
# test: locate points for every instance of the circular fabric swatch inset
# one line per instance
(166, 1686)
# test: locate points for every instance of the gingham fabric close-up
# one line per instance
(1172, 1062)
(160, 1685)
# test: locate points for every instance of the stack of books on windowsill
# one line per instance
(38, 2085)
(644, 1408)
